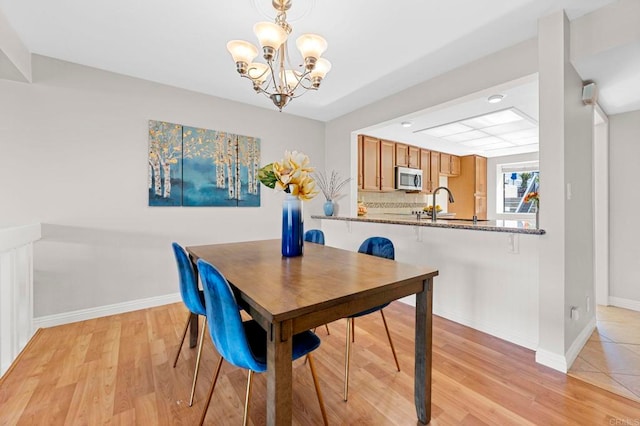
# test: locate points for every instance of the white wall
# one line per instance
(74, 145)
(624, 152)
(492, 183)
(480, 284)
(566, 250)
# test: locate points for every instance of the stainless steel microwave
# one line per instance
(408, 179)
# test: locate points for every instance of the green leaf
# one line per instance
(267, 176)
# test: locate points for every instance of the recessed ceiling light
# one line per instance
(494, 99)
(406, 124)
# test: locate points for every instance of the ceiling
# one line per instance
(376, 48)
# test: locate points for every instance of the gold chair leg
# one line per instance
(245, 418)
(213, 385)
(347, 355)
(184, 333)
(195, 373)
(318, 392)
(393, 350)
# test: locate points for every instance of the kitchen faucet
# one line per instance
(435, 191)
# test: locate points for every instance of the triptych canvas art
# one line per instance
(189, 166)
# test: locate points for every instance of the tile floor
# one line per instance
(611, 357)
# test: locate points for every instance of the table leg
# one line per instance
(424, 334)
(279, 374)
(193, 331)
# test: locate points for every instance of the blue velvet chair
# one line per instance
(193, 299)
(381, 247)
(314, 236)
(243, 344)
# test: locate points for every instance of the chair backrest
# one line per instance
(188, 281)
(223, 317)
(314, 236)
(378, 246)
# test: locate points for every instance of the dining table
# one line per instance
(289, 295)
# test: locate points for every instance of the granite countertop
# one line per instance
(510, 226)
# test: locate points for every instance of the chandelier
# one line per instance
(277, 79)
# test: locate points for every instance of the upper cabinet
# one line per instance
(376, 164)
(369, 159)
(407, 155)
(378, 158)
(449, 164)
(387, 165)
(430, 165)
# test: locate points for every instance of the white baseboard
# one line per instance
(103, 311)
(563, 363)
(580, 341)
(634, 305)
(552, 360)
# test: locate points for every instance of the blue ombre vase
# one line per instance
(292, 226)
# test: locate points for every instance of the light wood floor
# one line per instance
(611, 357)
(117, 370)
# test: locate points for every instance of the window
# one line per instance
(515, 182)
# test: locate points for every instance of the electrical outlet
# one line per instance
(588, 304)
(513, 243)
(575, 313)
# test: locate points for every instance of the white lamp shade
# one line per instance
(258, 72)
(311, 45)
(270, 34)
(292, 79)
(321, 69)
(242, 51)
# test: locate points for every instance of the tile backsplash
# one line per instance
(393, 202)
(400, 201)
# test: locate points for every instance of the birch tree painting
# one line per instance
(165, 164)
(219, 168)
(190, 166)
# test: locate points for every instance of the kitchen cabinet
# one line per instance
(370, 162)
(414, 157)
(360, 153)
(434, 177)
(376, 164)
(387, 165)
(469, 188)
(430, 165)
(449, 164)
(407, 156)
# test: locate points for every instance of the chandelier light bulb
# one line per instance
(258, 72)
(270, 35)
(243, 53)
(321, 69)
(311, 46)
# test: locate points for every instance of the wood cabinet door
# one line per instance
(454, 165)
(370, 163)
(481, 207)
(387, 165)
(445, 164)
(414, 157)
(425, 165)
(402, 155)
(435, 170)
(481, 175)
(360, 154)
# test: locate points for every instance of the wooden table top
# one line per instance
(323, 277)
